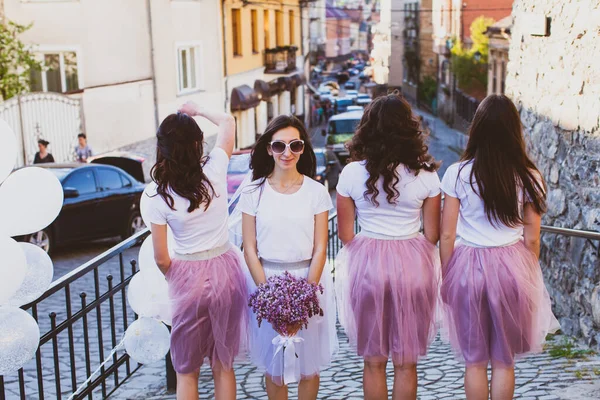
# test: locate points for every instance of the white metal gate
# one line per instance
(51, 116)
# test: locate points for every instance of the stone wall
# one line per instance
(555, 82)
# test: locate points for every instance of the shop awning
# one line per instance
(243, 98)
(285, 83)
(298, 79)
(263, 89)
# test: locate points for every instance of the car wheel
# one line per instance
(42, 239)
(135, 223)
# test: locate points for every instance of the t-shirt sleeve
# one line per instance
(449, 181)
(218, 162)
(324, 202)
(344, 183)
(248, 203)
(152, 208)
(433, 184)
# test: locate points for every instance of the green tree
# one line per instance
(16, 61)
(470, 65)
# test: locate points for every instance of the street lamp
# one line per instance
(477, 56)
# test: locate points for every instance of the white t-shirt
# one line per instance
(400, 219)
(199, 230)
(285, 223)
(473, 224)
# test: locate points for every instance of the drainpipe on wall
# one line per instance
(224, 19)
(152, 66)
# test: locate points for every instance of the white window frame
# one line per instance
(42, 50)
(197, 45)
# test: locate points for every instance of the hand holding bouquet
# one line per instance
(286, 302)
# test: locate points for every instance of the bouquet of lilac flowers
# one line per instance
(286, 302)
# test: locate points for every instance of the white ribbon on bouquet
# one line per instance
(287, 346)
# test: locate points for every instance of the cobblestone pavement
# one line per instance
(539, 377)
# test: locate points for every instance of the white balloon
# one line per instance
(13, 268)
(148, 296)
(146, 255)
(40, 272)
(30, 199)
(8, 150)
(147, 340)
(19, 338)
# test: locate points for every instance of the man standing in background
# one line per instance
(82, 151)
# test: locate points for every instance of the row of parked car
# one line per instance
(102, 197)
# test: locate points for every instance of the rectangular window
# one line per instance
(279, 28)
(188, 68)
(254, 21)
(59, 73)
(267, 27)
(236, 24)
(292, 28)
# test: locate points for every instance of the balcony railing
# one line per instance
(280, 60)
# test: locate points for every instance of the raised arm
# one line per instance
(225, 122)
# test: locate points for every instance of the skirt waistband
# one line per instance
(204, 255)
(285, 265)
(479, 246)
(380, 236)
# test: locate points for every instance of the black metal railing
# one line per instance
(465, 106)
(280, 60)
(78, 333)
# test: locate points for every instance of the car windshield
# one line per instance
(60, 173)
(239, 164)
(343, 126)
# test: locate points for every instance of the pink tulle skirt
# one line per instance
(388, 294)
(209, 302)
(496, 304)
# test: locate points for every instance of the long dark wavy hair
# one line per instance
(179, 162)
(501, 167)
(389, 135)
(263, 164)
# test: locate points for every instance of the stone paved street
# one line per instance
(539, 377)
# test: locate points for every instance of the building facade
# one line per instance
(499, 35)
(126, 78)
(264, 63)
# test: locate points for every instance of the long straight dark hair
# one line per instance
(389, 135)
(263, 164)
(501, 167)
(179, 162)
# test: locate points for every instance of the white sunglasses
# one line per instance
(279, 146)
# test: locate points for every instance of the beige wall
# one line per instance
(177, 23)
(111, 49)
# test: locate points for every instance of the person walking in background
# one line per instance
(496, 302)
(42, 156)
(388, 276)
(82, 151)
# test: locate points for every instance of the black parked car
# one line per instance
(328, 168)
(100, 201)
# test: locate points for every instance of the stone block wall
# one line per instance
(555, 82)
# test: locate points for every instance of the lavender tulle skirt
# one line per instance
(496, 304)
(209, 300)
(388, 295)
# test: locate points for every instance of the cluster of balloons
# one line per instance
(26, 269)
(147, 340)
